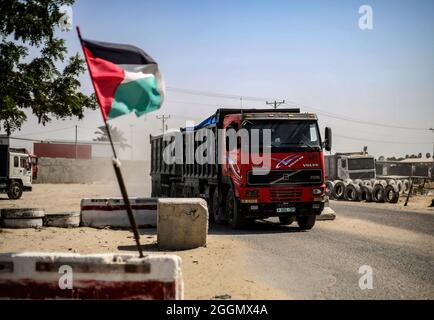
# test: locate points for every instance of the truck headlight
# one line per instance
(317, 191)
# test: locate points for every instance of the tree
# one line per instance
(116, 134)
(37, 84)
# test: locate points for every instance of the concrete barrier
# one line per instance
(21, 217)
(112, 212)
(62, 220)
(328, 213)
(182, 223)
(99, 276)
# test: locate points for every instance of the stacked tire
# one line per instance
(372, 190)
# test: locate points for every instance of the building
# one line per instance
(72, 150)
(416, 167)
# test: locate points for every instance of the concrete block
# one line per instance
(111, 212)
(99, 276)
(182, 223)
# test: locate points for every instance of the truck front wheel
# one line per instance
(235, 216)
(306, 222)
(15, 190)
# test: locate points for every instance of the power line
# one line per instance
(318, 110)
(47, 131)
(217, 95)
(380, 141)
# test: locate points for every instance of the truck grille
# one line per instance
(285, 177)
(285, 195)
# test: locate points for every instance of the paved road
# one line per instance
(323, 263)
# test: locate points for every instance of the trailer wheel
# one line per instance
(306, 222)
(235, 216)
(392, 193)
(15, 190)
(217, 206)
(366, 193)
(378, 194)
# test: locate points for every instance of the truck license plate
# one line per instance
(285, 210)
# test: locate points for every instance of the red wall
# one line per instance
(61, 150)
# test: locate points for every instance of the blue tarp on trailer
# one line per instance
(205, 123)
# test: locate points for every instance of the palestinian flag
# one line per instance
(125, 78)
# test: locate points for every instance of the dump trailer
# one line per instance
(17, 169)
(290, 187)
(350, 165)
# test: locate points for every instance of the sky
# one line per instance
(310, 53)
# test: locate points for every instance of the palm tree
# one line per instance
(116, 134)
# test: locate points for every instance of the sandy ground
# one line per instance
(212, 272)
(416, 203)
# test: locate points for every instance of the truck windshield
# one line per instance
(287, 134)
(361, 163)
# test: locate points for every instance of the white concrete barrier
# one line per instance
(62, 220)
(328, 213)
(99, 276)
(182, 223)
(112, 212)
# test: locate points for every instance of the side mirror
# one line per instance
(328, 139)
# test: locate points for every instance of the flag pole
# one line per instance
(116, 162)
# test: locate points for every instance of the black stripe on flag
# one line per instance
(118, 53)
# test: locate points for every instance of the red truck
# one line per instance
(291, 188)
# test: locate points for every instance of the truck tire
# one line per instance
(358, 182)
(383, 183)
(329, 188)
(306, 222)
(366, 193)
(15, 190)
(378, 194)
(233, 213)
(338, 190)
(352, 192)
(400, 186)
(391, 181)
(22, 213)
(285, 220)
(406, 186)
(367, 183)
(217, 206)
(391, 193)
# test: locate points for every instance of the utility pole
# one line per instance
(163, 119)
(432, 155)
(76, 136)
(275, 103)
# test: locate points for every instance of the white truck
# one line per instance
(351, 165)
(17, 170)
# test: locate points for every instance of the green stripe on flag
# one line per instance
(141, 96)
